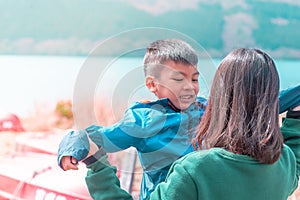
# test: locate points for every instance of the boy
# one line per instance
(161, 130)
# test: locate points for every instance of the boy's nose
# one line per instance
(188, 85)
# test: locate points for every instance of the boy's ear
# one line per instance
(150, 83)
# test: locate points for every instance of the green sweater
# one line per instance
(214, 174)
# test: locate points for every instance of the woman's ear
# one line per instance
(150, 83)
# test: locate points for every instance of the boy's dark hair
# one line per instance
(161, 51)
(242, 112)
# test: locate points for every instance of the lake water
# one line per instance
(31, 84)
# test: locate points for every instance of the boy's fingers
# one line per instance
(69, 163)
(297, 108)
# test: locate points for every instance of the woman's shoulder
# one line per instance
(201, 156)
(287, 154)
(213, 155)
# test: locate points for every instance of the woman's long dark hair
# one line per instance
(242, 112)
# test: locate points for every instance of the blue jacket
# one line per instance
(289, 98)
(160, 133)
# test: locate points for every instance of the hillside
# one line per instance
(66, 27)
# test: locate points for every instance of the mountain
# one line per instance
(75, 27)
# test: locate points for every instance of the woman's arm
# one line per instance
(102, 182)
(291, 133)
(179, 184)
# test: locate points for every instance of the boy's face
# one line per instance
(179, 83)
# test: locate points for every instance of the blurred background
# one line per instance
(65, 27)
(43, 44)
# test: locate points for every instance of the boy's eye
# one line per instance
(177, 79)
(195, 80)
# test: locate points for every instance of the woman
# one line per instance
(242, 153)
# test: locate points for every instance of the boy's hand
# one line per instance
(297, 108)
(69, 163)
(76, 144)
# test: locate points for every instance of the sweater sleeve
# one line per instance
(102, 182)
(291, 133)
(179, 185)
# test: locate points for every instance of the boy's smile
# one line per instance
(178, 82)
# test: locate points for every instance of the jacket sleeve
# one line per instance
(117, 137)
(289, 98)
(102, 182)
(75, 144)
